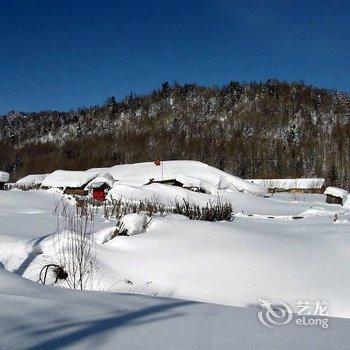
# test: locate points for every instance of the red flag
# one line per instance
(157, 162)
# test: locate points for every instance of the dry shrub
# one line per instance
(75, 254)
(213, 211)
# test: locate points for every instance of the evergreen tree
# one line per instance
(333, 175)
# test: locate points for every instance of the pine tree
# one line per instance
(333, 175)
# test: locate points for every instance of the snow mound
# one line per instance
(316, 211)
(133, 224)
(104, 235)
(4, 177)
(67, 178)
(31, 180)
(159, 193)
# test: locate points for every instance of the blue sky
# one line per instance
(66, 54)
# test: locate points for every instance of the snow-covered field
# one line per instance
(200, 281)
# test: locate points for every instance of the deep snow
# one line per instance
(267, 251)
(39, 317)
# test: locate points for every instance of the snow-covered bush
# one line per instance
(133, 224)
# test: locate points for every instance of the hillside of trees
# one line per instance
(254, 130)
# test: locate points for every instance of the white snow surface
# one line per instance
(336, 192)
(68, 178)
(4, 176)
(288, 184)
(36, 317)
(31, 180)
(262, 253)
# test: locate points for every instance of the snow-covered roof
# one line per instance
(31, 180)
(67, 178)
(100, 180)
(191, 173)
(4, 177)
(336, 192)
(186, 171)
(288, 184)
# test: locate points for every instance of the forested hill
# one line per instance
(268, 129)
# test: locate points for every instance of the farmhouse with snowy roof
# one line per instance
(4, 178)
(100, 185)
(336, 195)
(71, 182)
(80, 183)
(302, 185)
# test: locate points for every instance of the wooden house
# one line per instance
(335, 195)
(71, 182)
(100, 186)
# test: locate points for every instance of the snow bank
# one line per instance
(336, 192)
(67, 178)
(232, 263)
(133, 224)
(31, 180)
(40, 317)
(288, 184)
(317, 211)
(104, 235)
(4, 177)
(159, 193)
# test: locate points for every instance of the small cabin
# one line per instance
(335, 195)
(334, 200)
(99, 193)
(71, 182)
(100, 186)
(4, 178)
